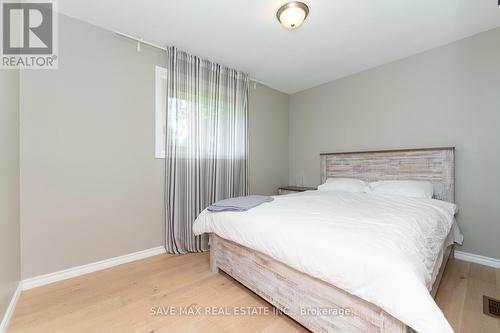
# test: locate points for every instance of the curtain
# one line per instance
(206, 144)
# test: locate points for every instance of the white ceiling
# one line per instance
(339, 38)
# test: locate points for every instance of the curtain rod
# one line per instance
(142, 41)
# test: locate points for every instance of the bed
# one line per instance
(344, 282)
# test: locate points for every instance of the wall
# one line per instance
(91, 188)
(448, 96)
(268, 165)
(9, 186)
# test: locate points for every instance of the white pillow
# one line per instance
(405, 188)
(344, 185)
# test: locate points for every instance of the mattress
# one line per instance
(384, 249)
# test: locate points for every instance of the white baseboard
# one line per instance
(10, 309)
(487, 261)
(41, 280)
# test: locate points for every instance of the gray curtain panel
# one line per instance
(206, 145)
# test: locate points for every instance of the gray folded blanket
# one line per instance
(239, 204)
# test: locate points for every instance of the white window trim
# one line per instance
(160, 74)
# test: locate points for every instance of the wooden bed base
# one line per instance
(301, 296)
(295, 292)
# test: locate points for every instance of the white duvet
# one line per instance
(381, 248)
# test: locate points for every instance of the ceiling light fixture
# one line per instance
(292, 14)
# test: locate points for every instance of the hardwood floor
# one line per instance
(460, 296)
(135, 298)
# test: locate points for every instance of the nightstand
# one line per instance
(294, 189)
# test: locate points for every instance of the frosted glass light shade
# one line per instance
(292, 14)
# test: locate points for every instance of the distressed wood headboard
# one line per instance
(436, 165)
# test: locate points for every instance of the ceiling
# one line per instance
(339, 37)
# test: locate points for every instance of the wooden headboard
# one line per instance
(436, 165)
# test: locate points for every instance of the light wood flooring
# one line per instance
(134, 298)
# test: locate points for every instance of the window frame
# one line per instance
(160, 75)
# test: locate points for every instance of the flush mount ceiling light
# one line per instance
(292, 14)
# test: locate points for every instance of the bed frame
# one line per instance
(293, 292)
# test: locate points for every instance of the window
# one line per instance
(160, 111)
(177, 123)
(196, 127)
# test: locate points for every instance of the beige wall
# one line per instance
(9, 186)
(91, 188)
(268, 166)
(449, 96)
